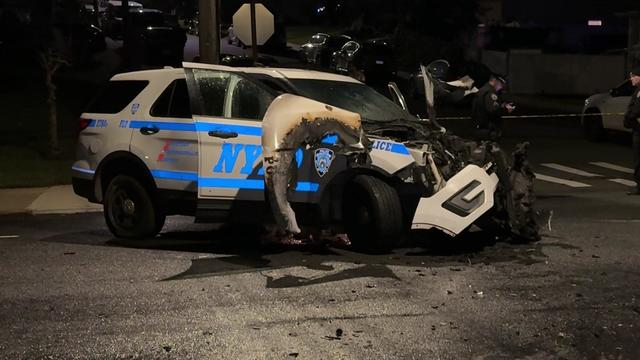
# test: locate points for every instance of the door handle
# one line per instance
(149, 130)
(223, 134)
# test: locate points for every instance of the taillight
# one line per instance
(84, 123)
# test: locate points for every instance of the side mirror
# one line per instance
(397, 96)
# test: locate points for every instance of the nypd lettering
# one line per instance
(230, 153)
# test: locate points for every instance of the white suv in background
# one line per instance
(612, 106)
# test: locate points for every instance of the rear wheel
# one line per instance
(129, 210)
(373, 214)
(593, 128)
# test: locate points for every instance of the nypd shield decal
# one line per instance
(323, 159)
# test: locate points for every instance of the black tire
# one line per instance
(372, 214)
(593, 128)
(129, 209)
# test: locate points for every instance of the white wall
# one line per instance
(532, 72)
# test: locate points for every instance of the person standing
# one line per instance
(487, 110)
(632, 121)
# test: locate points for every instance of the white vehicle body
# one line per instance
(611, 106)
(207, 161)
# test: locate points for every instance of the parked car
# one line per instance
(246, 60)
(373, 60)
(605, 111)
(146, 151)
(155, 39)
(113, 17)
(320, 47)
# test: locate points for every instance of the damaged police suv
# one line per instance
(258, 145)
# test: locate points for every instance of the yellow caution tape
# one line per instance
(541, 116)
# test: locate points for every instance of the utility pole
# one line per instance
(254, 36)
(209, 31)
(126, 32)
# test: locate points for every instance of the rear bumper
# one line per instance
(84, 188)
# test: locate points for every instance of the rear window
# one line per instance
(116, 96)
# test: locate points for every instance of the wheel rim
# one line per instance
(123, 210)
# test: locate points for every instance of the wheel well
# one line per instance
(591, 110)
(122, 163)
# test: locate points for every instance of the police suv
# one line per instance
(188, 141)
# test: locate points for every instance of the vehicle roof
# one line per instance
(273, 72)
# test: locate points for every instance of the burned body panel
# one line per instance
(286, 129)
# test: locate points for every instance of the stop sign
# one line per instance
(242, 24)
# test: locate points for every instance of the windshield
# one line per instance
(356, 97)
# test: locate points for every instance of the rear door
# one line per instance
(164, 134)
(227, 111)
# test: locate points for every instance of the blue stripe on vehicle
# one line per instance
(92, 123)
(240, 129)
(330, 139)
(173, 126)
(175, 175)
(248, 184)
(198, 126)
(83, 170)
(399, 149)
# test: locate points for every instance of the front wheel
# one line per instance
(372, 214)
(129, 209)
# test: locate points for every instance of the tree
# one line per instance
(47, 44)
(51, 61)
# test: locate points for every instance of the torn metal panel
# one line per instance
(464, 198)
(285, 129)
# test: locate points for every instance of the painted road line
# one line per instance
(556, 180)
(9, 236)
(570, 170)
(610, 166)
(624, 182)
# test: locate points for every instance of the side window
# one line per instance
(180, 107)
(173, 102)
(116, 96)
(160, 108)
(210, 92)
(249, 101)
(222, 94)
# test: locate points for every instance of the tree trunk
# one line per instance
(54, 146)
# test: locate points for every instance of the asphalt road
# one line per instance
(70, 290)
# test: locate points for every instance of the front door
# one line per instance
(227, 110)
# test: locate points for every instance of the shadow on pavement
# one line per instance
(238, 250)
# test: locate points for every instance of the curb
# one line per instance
(40, 201)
